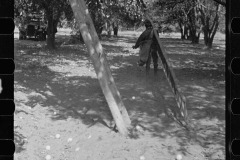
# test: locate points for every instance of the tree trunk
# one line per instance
(194, 25)
(108, 28)
(205, 33)
(115, 28)
(210, 41)
(99, 61)
(189, 36)
(81, 38)
(185, 34)
(181, 30)
(209, 33)
(115, 31)
(209, 44)
(194, 36)
(50, 32)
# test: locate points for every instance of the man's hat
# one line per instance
(147, 22)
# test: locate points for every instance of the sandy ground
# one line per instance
(61, 113)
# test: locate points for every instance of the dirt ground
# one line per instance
(61, 113)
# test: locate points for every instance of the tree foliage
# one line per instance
(110, 14)
(193, 17)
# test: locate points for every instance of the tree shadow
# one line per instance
(19, 142)
(148, 98)
(204, 99)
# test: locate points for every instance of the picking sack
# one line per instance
(145, 48)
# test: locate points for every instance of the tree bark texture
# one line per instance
(101, 67)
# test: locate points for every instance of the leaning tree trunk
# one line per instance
(210, 41)
(105, 78)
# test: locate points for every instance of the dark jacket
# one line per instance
(146, 36)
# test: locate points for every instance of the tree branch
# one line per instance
(141, 3)
(215, 21)
(220, 2)
(202, 17)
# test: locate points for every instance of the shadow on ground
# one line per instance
(64, 82)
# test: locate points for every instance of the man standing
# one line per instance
(148, 47)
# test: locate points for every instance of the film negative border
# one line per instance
(7, 146)
(232, 80)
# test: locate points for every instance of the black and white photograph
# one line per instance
(119, 79)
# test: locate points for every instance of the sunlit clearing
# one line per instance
(192, 52)
(87, 100)
(76, 82)
(198, 87)
(121, 65)
(200, 94)
(30, 96)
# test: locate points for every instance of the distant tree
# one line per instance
(194, 17)
(109, 15)
(222, 21)
(51, 9)
(194, 21)
(178, 12)
(210, 11)
(126, 13)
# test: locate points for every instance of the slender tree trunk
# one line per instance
(185, 32)
(50, 32)
(210, 41)
(181, 30)
(209, 31)
(206, 30)
(99, 61)
(205, 33)
(189, 36)
(115, 29)
(108, 24)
